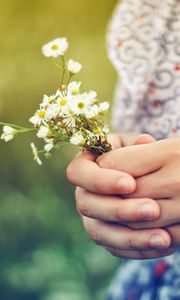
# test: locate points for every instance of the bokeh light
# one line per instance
(45, 253)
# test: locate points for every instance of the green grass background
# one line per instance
(44, 252)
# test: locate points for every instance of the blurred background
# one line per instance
(44, 251)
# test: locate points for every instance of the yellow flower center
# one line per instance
(97, 131)
(75, 92)
(34, 153)
(63, 102)
(63, 87)
(81, 105)
(41, 114)
(55, 47)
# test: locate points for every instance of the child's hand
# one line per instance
(99, 210)
(157, 168)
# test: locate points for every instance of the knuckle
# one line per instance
(70, 172)
(101, 184)
(130, 241)
(136, 244)
(91, 227)
(173, 156)
(140, 185)
(78, 192)
(98, 184)
(118, 212)
(173, 184)
(173, 147)
(81, 204)
(99, 161)
(104, 161)
(96, 237)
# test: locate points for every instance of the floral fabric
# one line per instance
(144, 46)
(148, 280)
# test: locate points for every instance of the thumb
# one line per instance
(136, 160)
(144, 139)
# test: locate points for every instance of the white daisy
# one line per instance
(49, 145)
(93, 135)
(77, 139)
(69, 121)
(35, 154)
(62, 103)
(38, 117)
(43, 132)
(91, 96)
(8, 133)
(106, 129)
(73, 88)
(92, 112)
(47, 100)
(73, 67)
(55, 48)
(52, 112)
(79, 105)
(58, 94)
(103, 107)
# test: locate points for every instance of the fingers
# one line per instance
(115, 140)
(128, 139)
(145, 254)
(144, 139)
(84, 172)
(115, 209)
(156, 185)
(146, 212)
(174, 231)
(164, 183)
(123, 140)
(136, 160)
(169, 215)
(124, 238)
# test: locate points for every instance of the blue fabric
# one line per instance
(157, 279)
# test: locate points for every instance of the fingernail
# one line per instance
(157, 241)
(148, 211)
(126, 185)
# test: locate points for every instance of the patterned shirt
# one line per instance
(144, 46)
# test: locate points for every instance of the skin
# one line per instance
(146, 173)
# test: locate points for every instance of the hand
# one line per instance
(100, 209)
(120, 240)
(157, 171)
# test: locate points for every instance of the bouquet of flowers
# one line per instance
(67, 116)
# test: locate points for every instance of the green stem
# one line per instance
(41, 151)
(24, 130)
(17, 127)
(57, 65)
(70, 76)
(64, 70)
